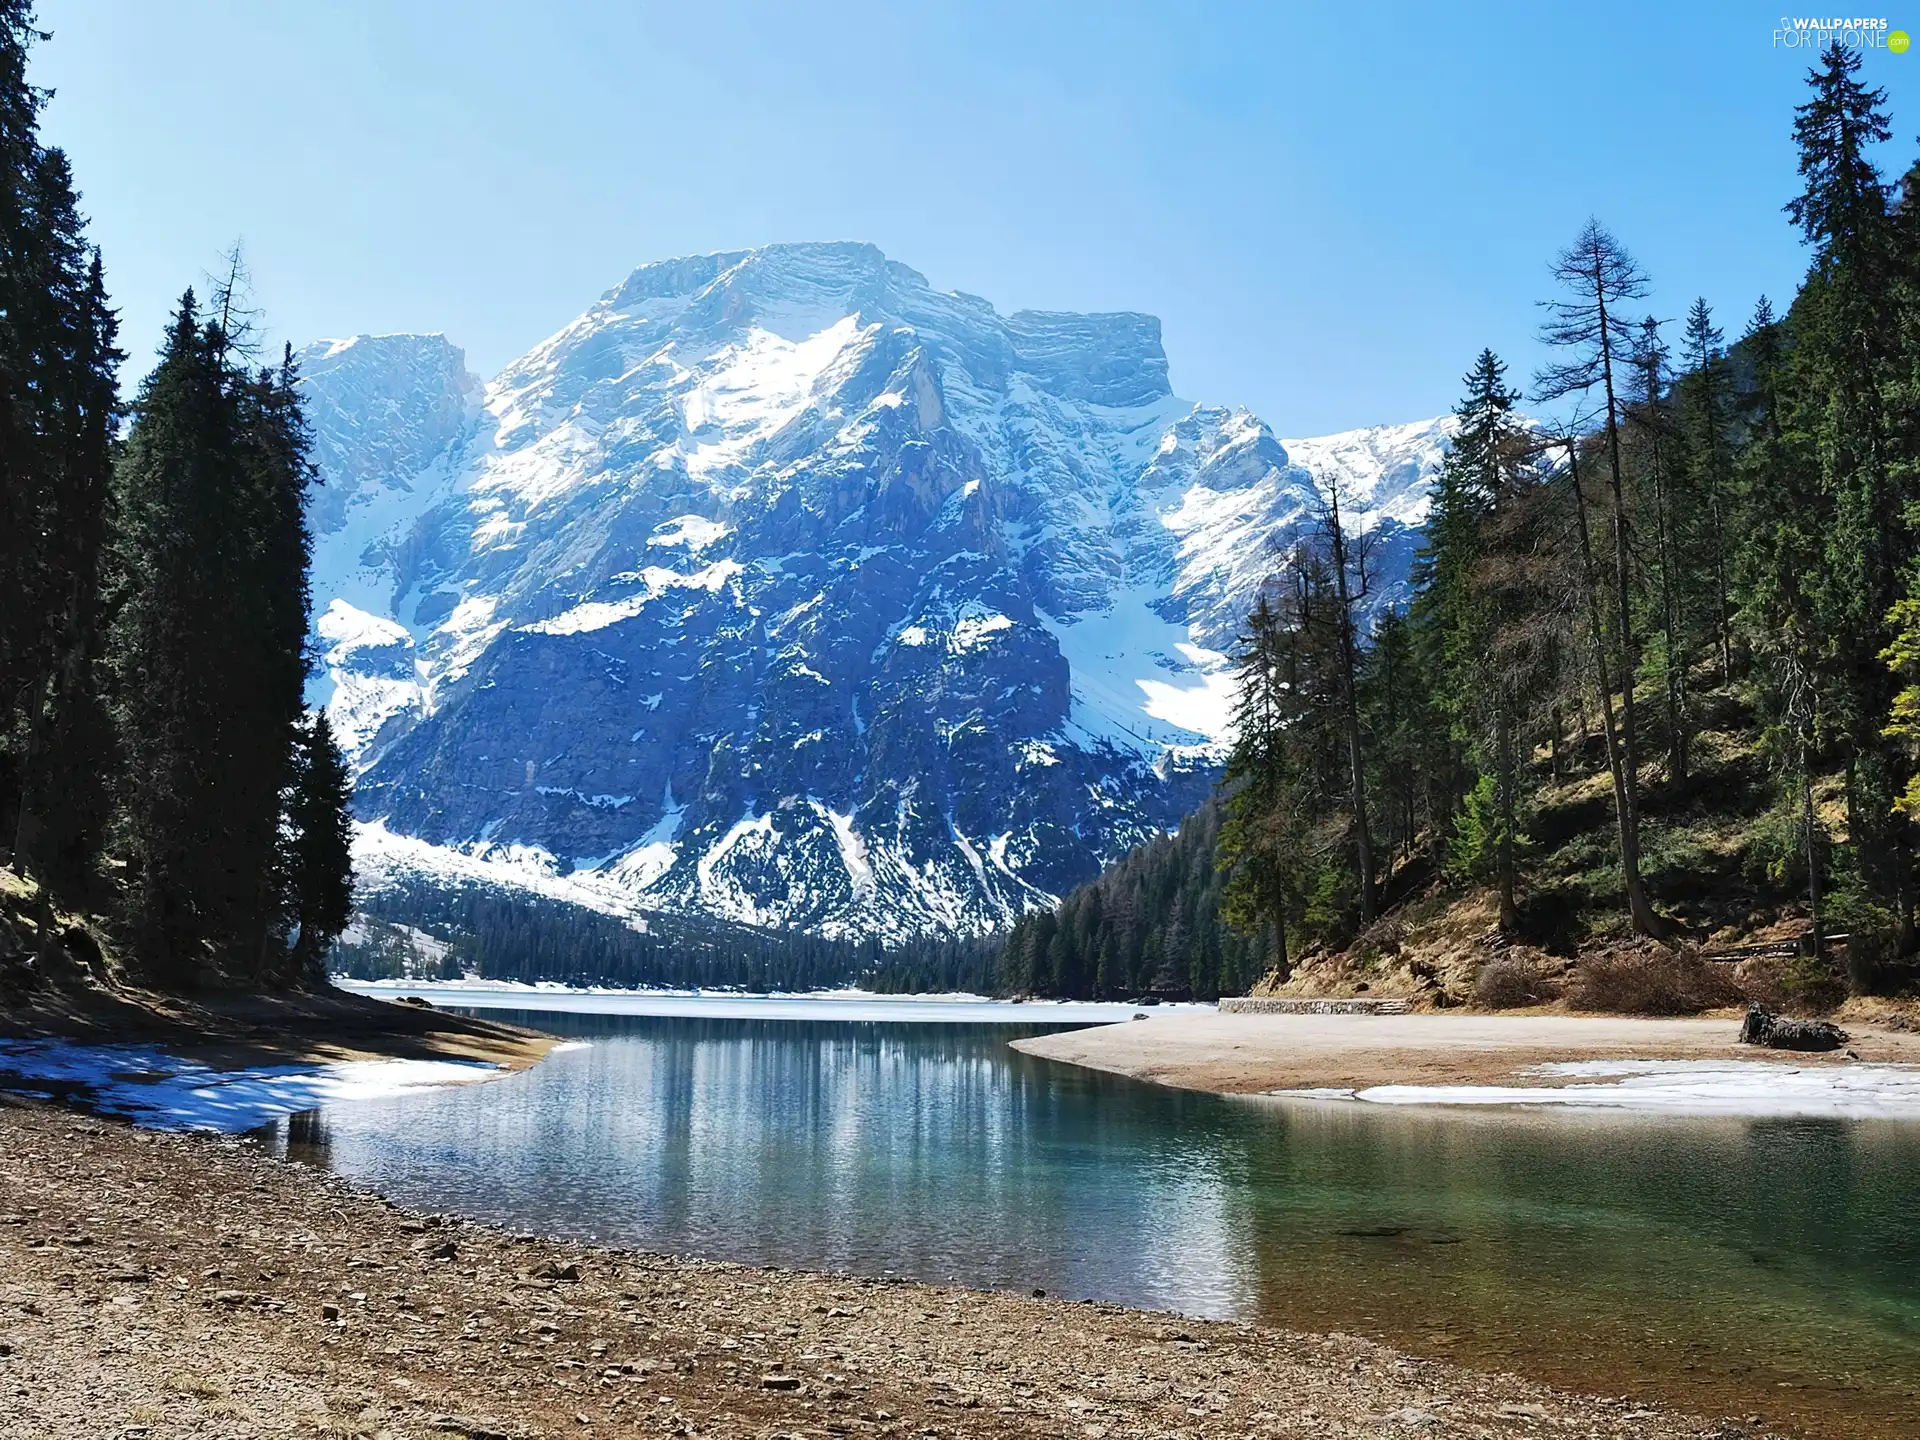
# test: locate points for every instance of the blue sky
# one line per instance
(1331, 207)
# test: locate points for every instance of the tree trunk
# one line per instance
(1808, 823)
(1504, 794)
(54, 847)
(1618, 745)
(1282, 963)
(1350, 704)
(1675, 666)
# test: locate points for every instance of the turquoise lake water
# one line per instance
(1734, 1266)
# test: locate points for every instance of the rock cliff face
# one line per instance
(783, 587)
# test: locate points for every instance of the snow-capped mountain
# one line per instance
(781, 586)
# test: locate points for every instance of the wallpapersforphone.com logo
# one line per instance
(1817, 32)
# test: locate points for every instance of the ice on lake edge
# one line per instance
(162, 1091)
(1753, 1088)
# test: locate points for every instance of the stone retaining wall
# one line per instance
(1279, 1005)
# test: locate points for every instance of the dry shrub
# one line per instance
(201, 1387)
(1511, 982)
(1799, 985)
(1653, 982)
(1384, 937)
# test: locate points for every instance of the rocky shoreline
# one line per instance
(156, 1285)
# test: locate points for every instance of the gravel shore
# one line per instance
(157, 1285)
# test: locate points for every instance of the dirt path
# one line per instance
(158, 1285)
(1244, 1054)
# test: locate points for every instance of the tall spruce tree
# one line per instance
(24, 483)
(319, 844)
(1345, 549)
(1841, 365)
(57, 362)
(1671, 525)
(1706, 412)
(68, 756)
(1399, 719)
(1262, 830)
(206, 648)
(1775, 570)
(1599, 277)
(1456, 615)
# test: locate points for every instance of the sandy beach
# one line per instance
(1251, 1054)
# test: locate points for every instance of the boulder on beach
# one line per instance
(1783, 1032)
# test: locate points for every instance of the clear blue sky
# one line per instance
(1331, 207)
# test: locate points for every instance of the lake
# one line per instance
(1734, 1266)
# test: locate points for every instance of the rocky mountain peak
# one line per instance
(782, 586)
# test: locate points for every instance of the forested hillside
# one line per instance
(1660, 678)
(429, 932)
(1152, 924)
(161, 782)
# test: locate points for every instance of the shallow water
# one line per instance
(1764, 1267)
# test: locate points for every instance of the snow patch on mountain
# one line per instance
(370, 661)
(382, 859)
(879, 612)
(1384, 471)
(388, 414)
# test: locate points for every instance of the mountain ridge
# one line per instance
(779, 586)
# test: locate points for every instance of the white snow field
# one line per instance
(1681, 1087)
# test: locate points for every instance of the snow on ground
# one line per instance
(165, 1092)
(1681, 1087)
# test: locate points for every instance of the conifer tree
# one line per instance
(1518, 581)
(207, 651)
(1842, 364)
(24, 484)
(57, 362)
(1399, 718)
(1775, 572)
(1599, 277)
(319, 844)
(1344, 552)
(1706, 412)
(1455, 611)
(1672, 526)
(68, 755)
(1261, 833)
